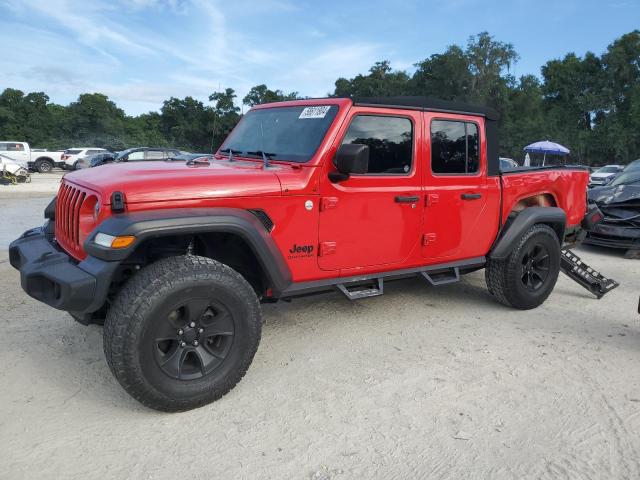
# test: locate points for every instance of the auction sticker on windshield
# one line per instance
(315, 112)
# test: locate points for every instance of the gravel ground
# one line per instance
(419, 383)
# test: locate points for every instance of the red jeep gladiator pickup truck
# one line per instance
(302, 197)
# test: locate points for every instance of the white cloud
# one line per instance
(141, 52)
(318, 73)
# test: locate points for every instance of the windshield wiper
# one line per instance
(231, 152)
(265, 156)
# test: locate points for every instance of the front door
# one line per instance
(374, 219)
(456, 220)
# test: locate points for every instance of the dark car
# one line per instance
(140, 154)
(619, 202)
(96, 159)
(186, 157)
(635, 165)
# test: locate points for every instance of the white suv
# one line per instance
(602, 175)
(71, 156)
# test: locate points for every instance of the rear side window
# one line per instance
(72, 152)
(455, 147)
(3, 147)
(12, 147)
(155, 155)
(390, 142)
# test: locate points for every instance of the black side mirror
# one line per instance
(350, 158)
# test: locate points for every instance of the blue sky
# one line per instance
(141, 52)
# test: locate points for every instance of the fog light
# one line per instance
(110, 241)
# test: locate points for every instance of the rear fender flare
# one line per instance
(554, 217)
(162, 223)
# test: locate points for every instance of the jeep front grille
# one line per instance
(67, 231)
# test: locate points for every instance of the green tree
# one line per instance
(380, 81)
(621, 65)
(187, 123)
(226, 115)
(572, 95)
(261, 94)
(94, 120)
(444, 75)
(489, 64)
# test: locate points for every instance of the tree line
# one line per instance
(591, 104)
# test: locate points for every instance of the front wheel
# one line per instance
(182, 332)
(527, 276)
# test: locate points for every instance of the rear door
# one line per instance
(456, 220)
(155, 155)
(374, 219)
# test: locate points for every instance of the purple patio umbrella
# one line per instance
(546, 147)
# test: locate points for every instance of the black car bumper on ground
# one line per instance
(51, 276)
(614, 236)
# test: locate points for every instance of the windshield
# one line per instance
(626, 178)
(632, 166)
(284, 133)
(608, 170)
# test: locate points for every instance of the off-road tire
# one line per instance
(132, 323)
(505, 277)
(44, 166)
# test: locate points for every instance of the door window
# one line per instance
(154, 155)
(134, 156)
(15, 147)
(390, 142)
(455, 147)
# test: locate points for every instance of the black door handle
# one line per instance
(403, 199)
(470, 196)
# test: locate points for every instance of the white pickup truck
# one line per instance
(34, 159)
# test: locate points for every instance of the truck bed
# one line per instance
(561, 186)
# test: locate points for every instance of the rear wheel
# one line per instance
(182, 332)
(44, 166)
(527, 276)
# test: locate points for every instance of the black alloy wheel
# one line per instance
(194, 338)
(535, 266)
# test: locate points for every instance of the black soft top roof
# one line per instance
(426, 103)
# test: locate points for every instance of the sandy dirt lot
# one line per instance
(419, 383)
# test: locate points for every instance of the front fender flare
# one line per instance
(555, 217)
(162, 223)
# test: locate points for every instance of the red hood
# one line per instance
(174, 181)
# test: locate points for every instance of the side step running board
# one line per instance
(358, 292)
(586, 276)
(451, 275)
(355, 292)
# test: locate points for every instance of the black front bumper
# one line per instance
(51, 276)
(614, 236)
